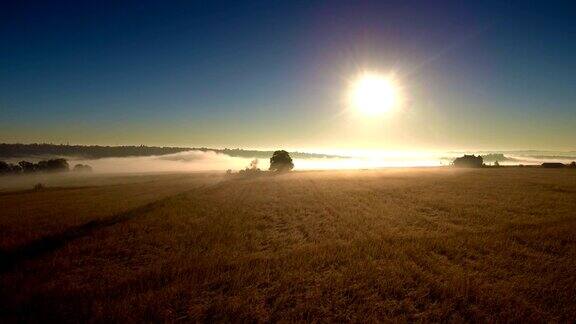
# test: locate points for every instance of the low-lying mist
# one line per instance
(179, 162)
(190, 161)
(202, 161)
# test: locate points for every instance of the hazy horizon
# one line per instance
(196, 160)
(319, 150)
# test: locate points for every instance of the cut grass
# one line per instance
(400, 245)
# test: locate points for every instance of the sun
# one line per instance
(374, 94)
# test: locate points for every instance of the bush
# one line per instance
(251, 170)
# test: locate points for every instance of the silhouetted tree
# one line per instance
(573, 164)
(15, 169)
(553, 165)
(496, 157)
(468, 161)
(496, 164)
(54, 165)
(27, 167)
(5, 168)
(9, 168)
(281, 161)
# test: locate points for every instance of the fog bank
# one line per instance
(202, 161)
(190, 161)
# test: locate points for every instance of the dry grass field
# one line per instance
(401, 245)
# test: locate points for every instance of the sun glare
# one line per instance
(374, 94)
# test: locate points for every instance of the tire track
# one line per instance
(51, 243)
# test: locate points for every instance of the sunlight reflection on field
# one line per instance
(361, 163)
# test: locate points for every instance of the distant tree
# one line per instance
(573, 164)
(54, 165)
(5, 168)
(496, 164)
(468, 161)
(15, 169)
(27, 167)
(553, 165)
(281, 161)
(492, 157)
(42, 166)
(82, 168)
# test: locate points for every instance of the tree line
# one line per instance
(84, 151)
(473, 161)
(52, 165)
(98, 152)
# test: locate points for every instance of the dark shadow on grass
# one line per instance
(47, 189)
(36, 248)
(47, 244)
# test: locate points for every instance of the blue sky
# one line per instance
(264, 74)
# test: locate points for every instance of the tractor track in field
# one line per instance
(50, 243)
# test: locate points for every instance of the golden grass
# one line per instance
(400, 245)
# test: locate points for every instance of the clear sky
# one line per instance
(269, 74)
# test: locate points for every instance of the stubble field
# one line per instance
(399, 244)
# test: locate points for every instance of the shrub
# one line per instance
(251, 170)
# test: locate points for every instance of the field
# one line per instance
(398, 244)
